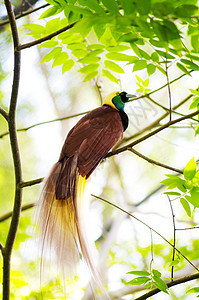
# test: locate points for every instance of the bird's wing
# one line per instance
(92, 137)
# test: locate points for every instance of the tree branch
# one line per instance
(142, 222)
(23, 14)
(151, 161)
(150, 134)
(169, 284)
(9, 214)
(4, 113)
(16, 156)
(45, 38)
(45, 122)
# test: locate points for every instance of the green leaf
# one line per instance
(165, 54)
(35, 27)
(56, 51)
(193, 290)
(191, 64)
(119, 48)
(186, 10)
(49, 44)
(182, 68)
(89, 68)
(128, 6)
(51, 12)
(75, 46)
(195, 42)
(190, 169)
(155, 57)
(113, 66)
(60, 59)
(111, 5)
(172, 193)
(128, 37)
(93, 5)
(107, 37)
(139, 273)
(151, 69)
(79, 52)
(193, 57)
(156, 273)
(195, 103)
(110, 76)
(95, 46)
(186, 206)
(90, 76)
(161, 9)
(160, 284)
(174, 263)
(194, 200)
(139, 280)
(143, 6)
(67, 66)
(139, 65)
(121, 57)
(89, 59)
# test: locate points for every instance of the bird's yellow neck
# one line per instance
(109, 98)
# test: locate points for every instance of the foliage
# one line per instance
(188, 187)
(145, 34)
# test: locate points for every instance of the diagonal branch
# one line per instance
(28, 12)
(152, 161)
(45, 38)
(45, 122)
(169, 284)
(150, 134)
(4, 113)
(152, 229)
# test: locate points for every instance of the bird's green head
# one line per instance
(117, 99)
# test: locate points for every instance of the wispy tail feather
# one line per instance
(61, 219)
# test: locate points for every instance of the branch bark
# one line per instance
(16, 156)
(45, 38)
(4, 113)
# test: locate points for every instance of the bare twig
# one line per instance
(9, 214)
(22, 14)
(169, 284)
(16, 156)
(142, 222)
(45, 122)
(45, 38)
(30, 183)
(4, 113)
(154, 162)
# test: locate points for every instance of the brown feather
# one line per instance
(60, 208)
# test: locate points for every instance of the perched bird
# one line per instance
(60, 205)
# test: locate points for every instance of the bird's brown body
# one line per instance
(60, 204)
(87, 143)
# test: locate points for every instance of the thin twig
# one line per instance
(142, 222)
(169, 284)
(23, 14)
(45, 122)
(188, 228)
(16, 156)
(45, 38)
(169, 91)
(154, 162)
(9, 214)
(174, 237)
(30, 183)
(4, 113)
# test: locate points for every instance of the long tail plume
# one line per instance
(60, 210)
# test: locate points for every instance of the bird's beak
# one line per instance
(130, 96)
